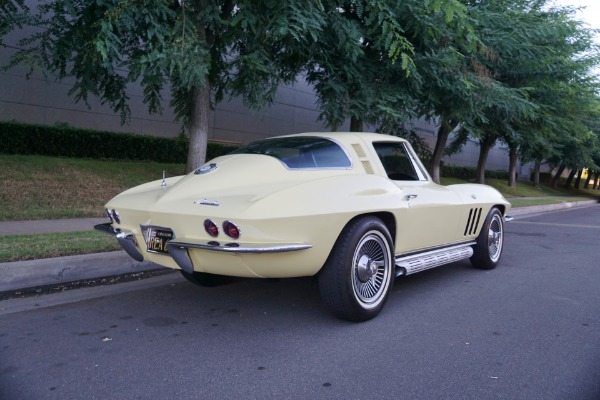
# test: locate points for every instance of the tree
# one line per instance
(458, 88)
(543, 55)
(567, 96)
(557, 175)
(363, 67)
(200, 49)
(205, 49)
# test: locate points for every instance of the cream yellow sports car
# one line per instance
(355, 209)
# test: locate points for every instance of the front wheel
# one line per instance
(487, 251)
(359, 273)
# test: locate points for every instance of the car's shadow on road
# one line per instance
(290, 300)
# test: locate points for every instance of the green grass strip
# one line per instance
(541, 202)
(47, 245)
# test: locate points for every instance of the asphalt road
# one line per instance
(530, 329)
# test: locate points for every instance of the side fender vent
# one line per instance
(473, 221)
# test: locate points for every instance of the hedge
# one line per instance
(470, 173)
(63, 141)
(60, 141)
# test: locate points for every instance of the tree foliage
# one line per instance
(541, 58)
(201, 50)
(516, 71)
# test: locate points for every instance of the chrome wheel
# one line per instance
(371, 270)
(488, 247)
(358, 276)
(495, 237)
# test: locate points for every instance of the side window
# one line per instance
(396, 161)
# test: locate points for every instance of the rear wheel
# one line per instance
(487, 251)
(205, 279)
(359, 273)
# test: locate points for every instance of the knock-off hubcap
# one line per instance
(366, 268)
(371, 269)
(494, 237)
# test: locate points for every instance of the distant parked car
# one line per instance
(355, 209)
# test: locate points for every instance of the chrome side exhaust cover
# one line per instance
(412, 264)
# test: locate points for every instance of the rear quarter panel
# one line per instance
(316, 212)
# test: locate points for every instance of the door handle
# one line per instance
(410, 197)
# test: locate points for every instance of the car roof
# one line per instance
(349, 137)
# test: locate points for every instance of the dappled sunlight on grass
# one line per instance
(526, 189)
(36, 187)
(523, 189)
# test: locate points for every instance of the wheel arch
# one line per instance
(500, 207)
(386, 217)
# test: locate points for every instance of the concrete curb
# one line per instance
(519, 211)
(50, 271)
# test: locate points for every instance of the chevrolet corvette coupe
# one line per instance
(356, 210)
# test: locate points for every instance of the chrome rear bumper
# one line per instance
(125, 239)
(179, 250)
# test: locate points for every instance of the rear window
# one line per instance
(301, 152)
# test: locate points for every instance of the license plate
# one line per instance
(158, 239)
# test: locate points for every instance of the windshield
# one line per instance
(301, 152)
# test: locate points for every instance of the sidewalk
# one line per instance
(26, 274)
(49, 226)
(528, 210)
(31, 273)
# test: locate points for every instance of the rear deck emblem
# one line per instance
(206, 169)
(207, 202)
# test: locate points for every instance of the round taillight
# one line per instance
(231, 230)
(116, 216)
(211, 228)
(109, 215)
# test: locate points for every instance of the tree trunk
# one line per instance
(586, 185)
(440, 145)
(556, 178)
(569, 181)
(536, 174)
(485, 146)
(199, 126)
(356, 125)
(512, 167)
(578, 180)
